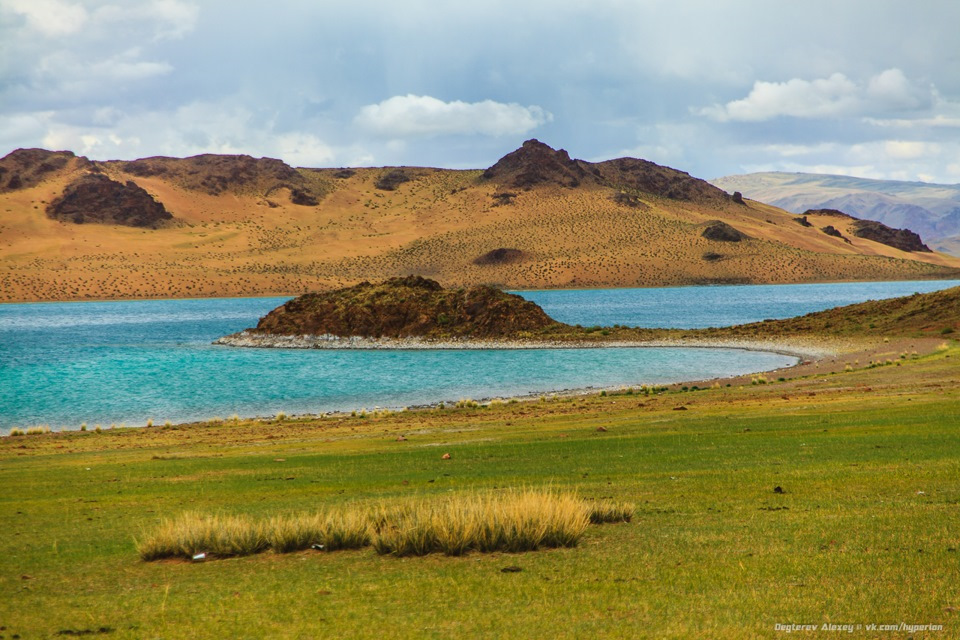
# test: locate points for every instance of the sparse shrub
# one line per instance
(83, 426)
(38, 430)
(946, 331)
(97, 429)
(848, 368)
(280, 417)
(149, 422)
(758, 379)
(16, 431)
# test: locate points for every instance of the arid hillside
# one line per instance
(73, 229)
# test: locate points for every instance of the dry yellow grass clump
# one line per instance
(523, 520)
(512, 521)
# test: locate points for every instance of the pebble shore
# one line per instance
(263, 341)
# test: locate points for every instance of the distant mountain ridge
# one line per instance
(931, 210)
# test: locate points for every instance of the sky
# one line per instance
(863, 88)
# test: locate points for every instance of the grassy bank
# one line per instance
(827, 498)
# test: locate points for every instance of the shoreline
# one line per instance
(247, 340)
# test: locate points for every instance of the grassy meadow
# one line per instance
(825, 498)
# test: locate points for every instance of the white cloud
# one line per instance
(833, 97)
(50, 17)
(910, 149)
(823, 98)
(423, 116)
(891, 88)
(168, 19)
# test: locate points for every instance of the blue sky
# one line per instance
(713, 88)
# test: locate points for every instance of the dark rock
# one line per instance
(634, 174)
(406, 307)
(343, 174)
(25, 168)
(828, 212)
(723, 232)
(778, 489)
(710, 256)
(802, 221)
(215, 174)
(533, 164)
(902, 239)
(511, 569)
(96, 198)
(629, 200)
(830, 230)
(303, 198)
(501, 255)
(392, 179)
(737, 197)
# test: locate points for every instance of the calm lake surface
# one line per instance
(63, 364)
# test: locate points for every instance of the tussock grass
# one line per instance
(193, 533)
(512, 521)
(604, 511)
(37, 430)
(16, 431)
(520, 520)
(347, 529)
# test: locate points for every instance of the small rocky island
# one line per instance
(411, 311)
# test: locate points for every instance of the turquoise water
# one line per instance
(124, 362)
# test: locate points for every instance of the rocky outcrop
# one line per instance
(902, 239)
(634, 174)
(535, 164)
(723, 232)
(390, 180)
(410, 307)
(828, 212)
(214, 175)
(25, 168)
(95, 198)
(501, 255)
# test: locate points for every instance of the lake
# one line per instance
(63, 364)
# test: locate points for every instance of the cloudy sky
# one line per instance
(866, 88)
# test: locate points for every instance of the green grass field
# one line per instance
(865, 531)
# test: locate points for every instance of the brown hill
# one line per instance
(247, 226)
(406, 307)
(920, 314)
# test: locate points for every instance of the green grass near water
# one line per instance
(866, 529)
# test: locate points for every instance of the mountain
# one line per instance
(931, 210)
(232, 225)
